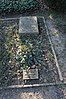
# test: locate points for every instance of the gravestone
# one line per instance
(30, 74)
(28, 25)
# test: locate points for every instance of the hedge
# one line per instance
(17, 5)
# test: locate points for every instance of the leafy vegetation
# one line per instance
(17, 5)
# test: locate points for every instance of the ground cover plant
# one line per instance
(25, 52)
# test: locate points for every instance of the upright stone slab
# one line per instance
(28, 25)
(30, 74)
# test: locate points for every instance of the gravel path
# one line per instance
(32, 93)
(58, 36)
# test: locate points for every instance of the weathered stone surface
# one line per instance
(28, 25)
(30, 74)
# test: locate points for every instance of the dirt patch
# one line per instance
(57, 28)
(33, 93)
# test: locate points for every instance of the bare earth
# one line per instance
(57, 29)
(33, 93)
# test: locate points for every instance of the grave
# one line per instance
(28, 25)
(30, 74)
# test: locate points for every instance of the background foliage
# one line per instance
(18, 5)
(57, 4)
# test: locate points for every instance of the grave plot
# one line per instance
(25, 59)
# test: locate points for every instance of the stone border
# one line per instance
(6, 19)
(57, 65)
(17, 18)
(33, 85)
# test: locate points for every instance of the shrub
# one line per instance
(17, 5)
(57, 4)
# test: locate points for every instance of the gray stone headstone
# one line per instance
(30, 74)
(28, 25)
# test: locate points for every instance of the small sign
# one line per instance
(30, 74)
